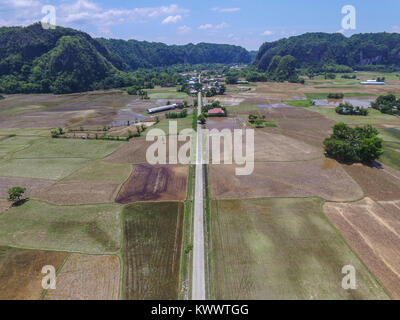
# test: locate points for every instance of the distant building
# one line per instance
(216, 112)
(163, 108)
(373, 82)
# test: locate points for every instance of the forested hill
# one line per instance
(143, 54)
(360, 51)
(63, 60)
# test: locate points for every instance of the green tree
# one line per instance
(15, 194)
(202, 119)
(360, 144)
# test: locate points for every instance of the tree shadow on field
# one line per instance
(20, 202)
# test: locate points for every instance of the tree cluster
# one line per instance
(388, 104)
(360, 144)
(349, 110)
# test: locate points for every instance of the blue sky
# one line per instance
(246, 23)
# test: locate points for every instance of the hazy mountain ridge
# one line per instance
(318, 49)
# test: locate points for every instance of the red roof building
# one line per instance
(216, 112)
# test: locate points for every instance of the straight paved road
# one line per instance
(198, 283)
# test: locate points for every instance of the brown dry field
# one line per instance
(378, 183)
(302, 124)
(392, 207)
(270, 145)
(78, 193)
(32, 185)
(85, 277)
(154, 183)
(222, 123)
(85, 109)
(133, 152)
(374, 234)
(21, 272)
(323, 178)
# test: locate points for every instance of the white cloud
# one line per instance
(225, 9)
(184, 30)
(209, 26)
(222, 25)
(205, 26)
(84, 13)
(267, 33)
(13, 4)
(396, 29)
(172, 19)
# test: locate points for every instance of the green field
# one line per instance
(101, 171)
(68, 148)
(281, 249)
(53, 169)
(391, 157)
(166, 94)
(374, 117)
(244, 107)
(298, 103)
(324, 95)
(44, 132)
(183, 123)
(152, 250)
(88, 229)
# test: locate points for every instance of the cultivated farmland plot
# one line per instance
(116, 227)
(281, 249)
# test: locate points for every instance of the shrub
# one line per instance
(350, 110)
(15, 194)
(335, 96)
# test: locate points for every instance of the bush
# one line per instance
(15, 194)
(387, 104)
(335, 96)
(360, 144)
(349, 110)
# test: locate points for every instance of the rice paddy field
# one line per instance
(116, 227)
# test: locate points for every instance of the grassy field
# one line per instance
(101, 171)
(164, 93)
(243, 107)
(324, 95)
(44, 132)
(374, 117)
(282, 249)
(391, 157)
(152, 249)
(68, 148)
(164, 125)
(298, 103)
(53, 169)
(88, 229)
